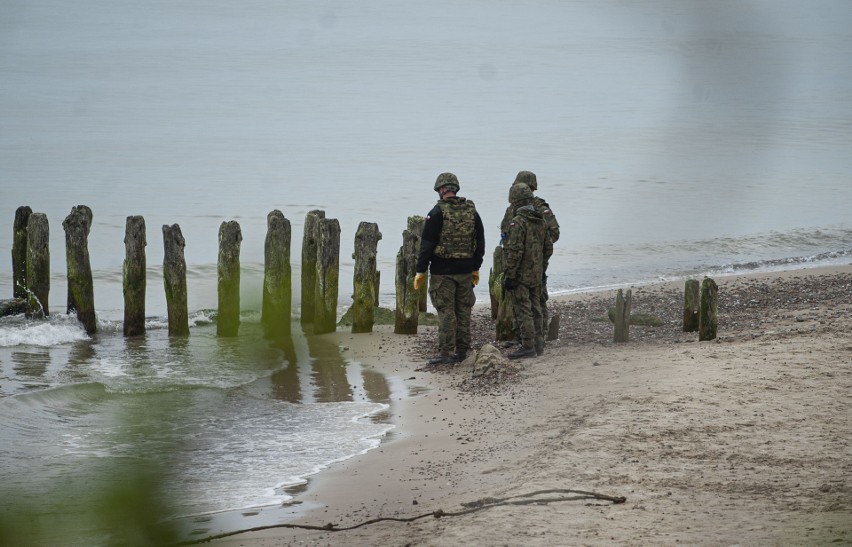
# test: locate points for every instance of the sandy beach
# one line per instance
(743, 440)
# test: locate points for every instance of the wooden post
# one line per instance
(277, 278)
(407, 313)
(415, 225)
(81, 296)
(38, 265)
(492, 294)
(174, 279)
(228, 278)
(134, 277)
(19, 252)
(622, 316)
(690, 305)
(377, 283)
(364, 281)
(495, 288)
(708, 322)
(505, 317)
(328, 274)
(553, 329)
(310, 242)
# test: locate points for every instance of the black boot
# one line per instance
(442, 360)
(461, 356)
(522, 353)
(539, 348)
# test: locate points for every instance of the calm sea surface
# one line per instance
(671, 138)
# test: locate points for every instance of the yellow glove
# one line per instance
(419, 279)
(475, 276)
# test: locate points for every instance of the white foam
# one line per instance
(41, 334)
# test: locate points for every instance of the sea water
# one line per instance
(672, 139)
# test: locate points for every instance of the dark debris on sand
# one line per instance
(747, 308)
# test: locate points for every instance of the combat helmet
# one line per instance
(447, 179)
(528, 178)
(519, 192)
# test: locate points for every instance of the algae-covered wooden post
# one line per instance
(277, 278)
(310, 241)
(134, 278)
(505, 317)
(495, 289)
(623, 304)
(416, 224)
(328, 274)
(407, 312)
(377, 283)
(708, 322)
(228, 279)
(174, 279)
(81, 295)
(19, 251)
(38, 265)
(364, 280)
(690, 305)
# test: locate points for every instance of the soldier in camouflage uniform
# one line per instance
(451, 248)
(529, 178)
(526, 252)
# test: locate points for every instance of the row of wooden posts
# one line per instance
(700, 310)
(319, 280)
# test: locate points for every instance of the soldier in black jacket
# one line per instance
(451, 248)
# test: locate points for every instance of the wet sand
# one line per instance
(743, 440)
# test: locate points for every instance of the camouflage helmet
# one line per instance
(528, 178)
(447, 179)
(519, 192)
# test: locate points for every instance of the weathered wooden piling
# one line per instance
(19, 251)
(174, 279)
(502, 313)
(81, 295)
(134, 279)
(623, 304)
(328, 274)
(310, 243)
(407, 313)
(365, 288)
(416, 224)
(690, 305)
(277, 278)
(553, 329)
(38, 265)
(495, 289)
(708, 322)
(228, 279)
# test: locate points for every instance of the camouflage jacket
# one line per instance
(546, 212)
(527, 248)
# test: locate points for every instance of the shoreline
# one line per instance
(739, 440)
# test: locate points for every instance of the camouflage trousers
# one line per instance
(526, 306)
(453, 298)
(516, 329)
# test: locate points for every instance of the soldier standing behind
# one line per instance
(452, 248)
(529, 178)
(526, 249)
